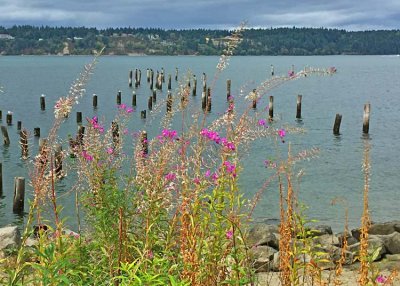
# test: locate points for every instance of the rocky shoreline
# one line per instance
(263, 243)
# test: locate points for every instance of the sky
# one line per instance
(351, 15)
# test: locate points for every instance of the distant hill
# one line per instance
(45, 40)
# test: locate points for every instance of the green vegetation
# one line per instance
(150, 41)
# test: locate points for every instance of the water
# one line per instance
(336, 173)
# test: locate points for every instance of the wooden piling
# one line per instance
(298, 109)
(208, 99)
(94, 101)
(254, 96)
(115, 133)
(145, 143)
(169, 82)
(336, 125)
(271, 108)
(272, 70)
(151, 79)
(134, 98)
(194, 91)
(228, 89)
(150, 103)
(203, 100)
(139, 77)
(79, 117)
(148, 75)
(154, 97)
(1, 115)
(23, 141)
(80, 135)
(58, 158)
(136, 78)
(1, 179)
(36, 131)
(19, 125)
(130, 78)
(204, 79)
(9, 118)
(42, 102)
(169, 102)
(176, 74)
(143, 114)
(4, 131)
(119, 97)
(162, 75)
(19, 194)
(367, 110)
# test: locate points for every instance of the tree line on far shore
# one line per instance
(45, 40)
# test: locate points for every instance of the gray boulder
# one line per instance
(263, 234)
(374, 243)
(392, 243)
(10, 238)
(263, 257)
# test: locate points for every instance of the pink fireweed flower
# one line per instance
(196, 181)
(262, 122)
(170, 176)
(381, 279)
(207, 173)
(291, 73)
(229, 234)
(87, 156)
(230, 168)
(129, 110)
(122, 106)
(171, 134)
(110, 150)
(215, 177)
(281, 133)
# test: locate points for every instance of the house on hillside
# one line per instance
(6, 37)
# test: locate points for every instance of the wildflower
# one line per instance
(291, 73)
(230, 168)
(215, 177)
(196, 181)
(171, 134)
(129, 110)
(229, 234)
(122, 106)
(281, 133)
(207, 174)
(170, 176)
(87, 156)
(109, 150)
(381, 279)
(262, 122)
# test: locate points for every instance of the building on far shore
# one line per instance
(6, 37)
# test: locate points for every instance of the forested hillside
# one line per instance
(18, 40)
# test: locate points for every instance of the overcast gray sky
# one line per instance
(210, 14)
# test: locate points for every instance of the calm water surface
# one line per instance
(335, 174)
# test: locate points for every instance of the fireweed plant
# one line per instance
(165, 210)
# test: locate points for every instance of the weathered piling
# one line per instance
(203, 100)
(80, 135)
(4, 131)
(271, 108)
(139, 77)
(228, 89)
(148, 75)
(9, 118)
(43, 102)
(367, 111)
(162, 75)
(115, 133)
(204, 79)
(176, 74)
(133, 98)
(154, 97)
(194, 90)
(336, 125)
(136, 78)
(151, 79)
(169, 102)
(253, 95)
(145, 143)
(79, 117)
(150, 103)
(143, 114)
(272, 70)
(23, 141)
(119, 97)
(130, 78)
(208, 99)
(36, 131)
(169, 82)
(19, 125)
(94, 101)
(58, 158)
(1, 179)
(298, 109)
(1, 115)
(42, 144)
(19, 194)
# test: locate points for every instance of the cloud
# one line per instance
(183, 14)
